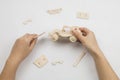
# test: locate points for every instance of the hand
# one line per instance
(87, 38)
(22, 47)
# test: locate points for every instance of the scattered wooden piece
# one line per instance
(82, 15)
(57, 61)
(54, 11)
(27, 21)
(41, 61)
(41, 34)
(79, 58)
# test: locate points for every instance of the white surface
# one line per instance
(104, 21)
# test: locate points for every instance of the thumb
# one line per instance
(33, 42)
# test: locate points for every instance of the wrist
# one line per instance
(15, 57)
(97, 53)
(9, 70)
(11, 64)
(13, 61)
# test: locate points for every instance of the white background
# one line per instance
(104, 21)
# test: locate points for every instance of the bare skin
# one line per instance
(21, 49)
(105, 72)
(24, 45)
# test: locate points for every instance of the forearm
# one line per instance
(21, 49)
(9, 70)
(104, 69)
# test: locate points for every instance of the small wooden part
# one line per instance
(57, 61)
(54, 36)
(54, 11)
(41, 34)
(73, 39)
(27, 21)
(77, 61)
(41, 61)
(82, 15)
(64, 34)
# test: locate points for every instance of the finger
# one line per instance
(31, 37)
(32, 44)
(78, 34)
(83, 29)
(26, 35)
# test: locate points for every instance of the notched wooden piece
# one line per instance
(27, 21)
(82, 15)
(54, 11)
(57, 61)
(41, 61)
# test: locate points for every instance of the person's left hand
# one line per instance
(22, 47)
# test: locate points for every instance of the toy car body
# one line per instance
(56, 34)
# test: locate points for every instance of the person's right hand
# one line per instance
(87, 38)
